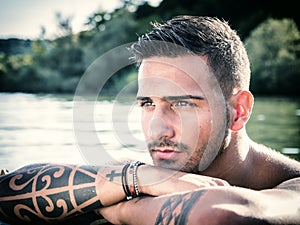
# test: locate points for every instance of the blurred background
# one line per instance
(46, 46)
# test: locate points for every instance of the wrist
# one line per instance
(153, 180)
(142, 173)
(130, 181)
(108, 185)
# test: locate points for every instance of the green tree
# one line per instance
(108, 31)
(10, 67)
(274, 50)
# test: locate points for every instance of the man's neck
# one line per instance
(232, 164)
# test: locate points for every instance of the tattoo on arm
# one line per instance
(113, 174)
(48, 193)
(176, 209)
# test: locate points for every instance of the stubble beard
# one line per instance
(191, 165)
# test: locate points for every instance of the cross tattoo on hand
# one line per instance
(112, 175)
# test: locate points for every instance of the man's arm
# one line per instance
(48, 192)
(45, 193)
(213, 205)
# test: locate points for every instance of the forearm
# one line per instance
(49, 193)
(170, 209)
(157, 181)
(176, 209)
(210, 206)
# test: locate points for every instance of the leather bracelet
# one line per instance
(124, 182)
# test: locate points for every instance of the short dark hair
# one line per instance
(205, 36)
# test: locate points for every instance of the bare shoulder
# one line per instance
(272, 168)
(273, 156)
(291, 184)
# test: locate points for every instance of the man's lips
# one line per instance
(165, 153)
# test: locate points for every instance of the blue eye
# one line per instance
(183, 104)
(146, 103)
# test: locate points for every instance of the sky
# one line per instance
(24, 18)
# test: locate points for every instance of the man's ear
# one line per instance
(242, 104)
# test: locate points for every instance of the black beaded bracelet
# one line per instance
(134, 174)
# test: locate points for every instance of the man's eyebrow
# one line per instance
(141, 98)
(172, 98)
(180, 97)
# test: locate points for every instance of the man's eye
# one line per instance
(183, 104)
(146, 104)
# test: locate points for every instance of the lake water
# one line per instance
(41, 128)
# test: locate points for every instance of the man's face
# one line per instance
(176, 114)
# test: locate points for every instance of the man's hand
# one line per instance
(113, 213)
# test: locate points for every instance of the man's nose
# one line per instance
(161, 126)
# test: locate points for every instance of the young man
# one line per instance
(194, 91)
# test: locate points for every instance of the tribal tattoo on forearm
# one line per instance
(48, 193)
(176, 209)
